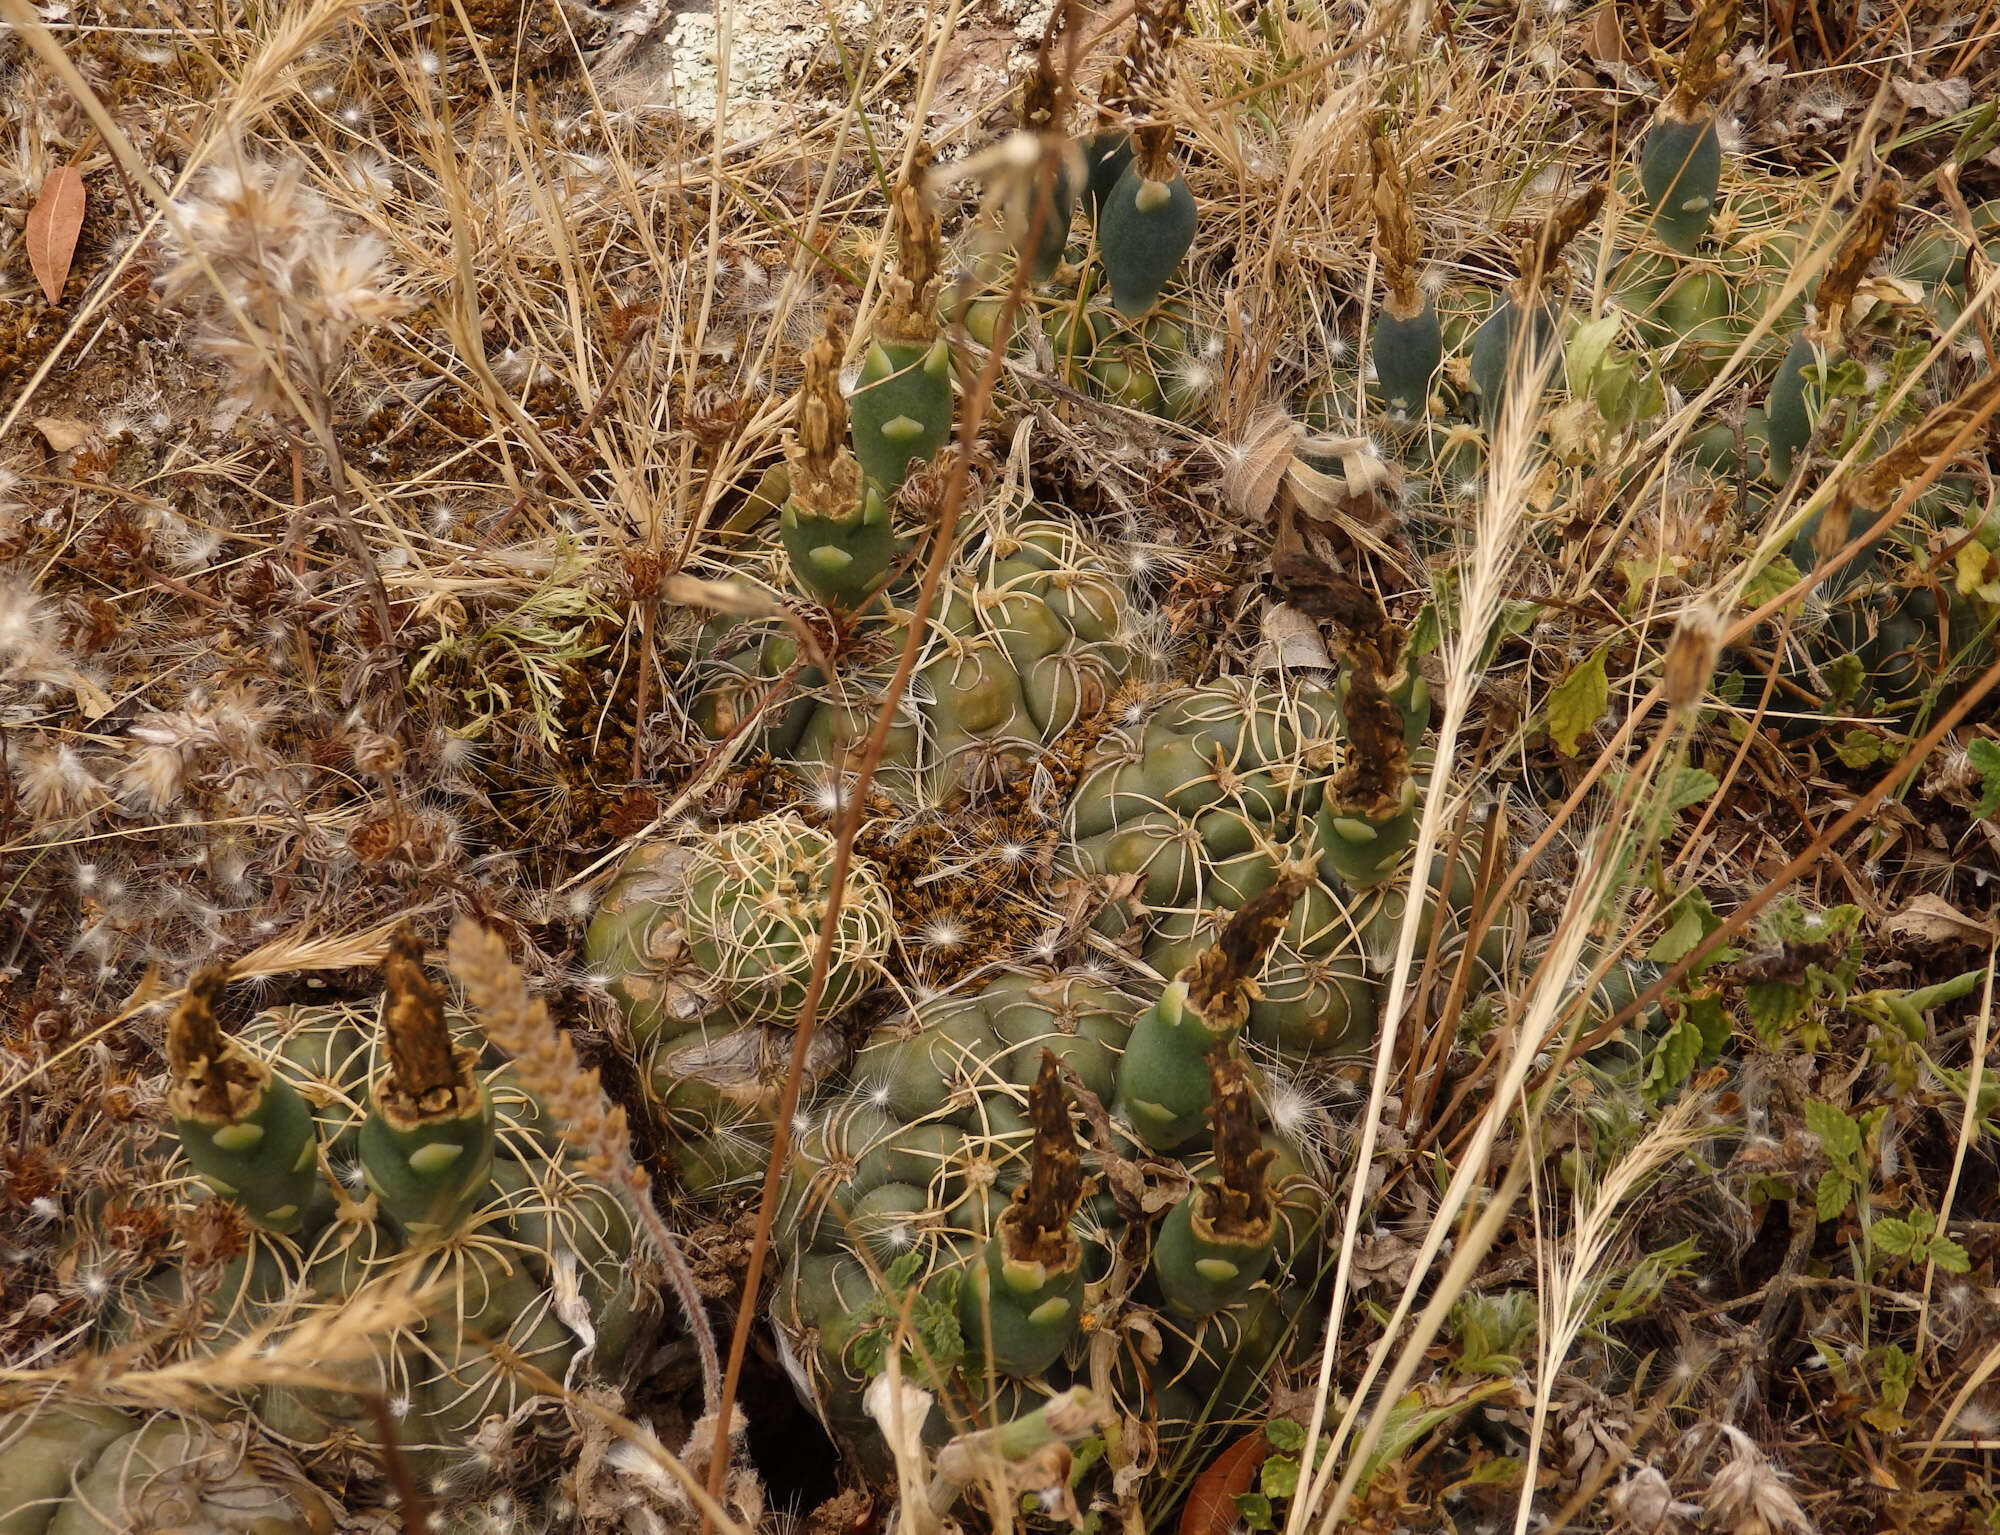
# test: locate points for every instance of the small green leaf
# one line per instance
(1691, 786)
(1892, 1236)
(1672, 1060)
(1860, 748)
(1845, 676)
(1256, 1510)
(1771, 581)
(1679, 940)
(1577, 702)
(1279, 1477)
(1425, 633)
(1285, 1435)
(1835, 1193)
(1838, 1135)
(1949, 1256)
(1984, 756)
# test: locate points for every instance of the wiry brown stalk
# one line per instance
(1036, 1224)
(497, 993)
(1701, 59)
(1396, 236)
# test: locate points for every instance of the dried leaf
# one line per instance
(63, 434)
(53, 225)
(1934, 98)
(1604, 38)
(1930, 919)
(1257, 467)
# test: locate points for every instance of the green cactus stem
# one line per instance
(427, 1143)
(1522, 335)
(1408, 342)
(1106, 154)
(1163, 1076)
(1146, 224)
(1040, 225)
(1213, 1248)
(1790, 422)
(248, 1133)
(1680, 169)
(1021, 1302)
(901, 409)
(1680, 159)
(834, 525)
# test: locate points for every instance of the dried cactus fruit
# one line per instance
(834, 524)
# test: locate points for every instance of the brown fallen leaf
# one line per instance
(1930, 919)
(53, 225)
(63, 434)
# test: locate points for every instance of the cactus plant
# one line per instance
(834, 523)
(1409, 343)
(1518, 338)
(1146, 220)
(84, 1470)
(449, 1180)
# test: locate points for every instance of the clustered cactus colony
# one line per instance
(364, 1167)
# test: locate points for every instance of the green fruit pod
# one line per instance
(1105, 157)
(1510, 344)
(900, 409)
(1144, 230)
(1044, 228)
(1201, 1270)
(247, 1132)
(1409, 350)
(841, 559)
(1680, 169)
(1787, 420)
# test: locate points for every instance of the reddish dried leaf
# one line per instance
(1211, 1505)
(53, 225)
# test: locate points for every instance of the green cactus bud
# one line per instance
(247, 1132)
(901, 409)
(835, 524)
(427, 1144)
(1408, 351)
(1143, 230)
(1047, 216)
(1213, 1248)
(1163, 1077)
(1789, 422)
(1106, 157)
(1023, 1298)
(1680, 167)
(1511, 344)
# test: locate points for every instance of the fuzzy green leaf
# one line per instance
(1893, 1236)
(1577, 702)
(1771, 581)
(1285, 1435)
(1279, 1476)
(1256, 1510)
(1839, 1136)
(1949, 1256)
(1835, 1193)
(1984, 756)
(1672, 1060)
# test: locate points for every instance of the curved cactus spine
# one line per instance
(834, 525)
(1023, 1297)
(1163, 1076)
(1680, 159)
(1213, 1248)
(427, 1144)
(1408, 342)
(246, 1131)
